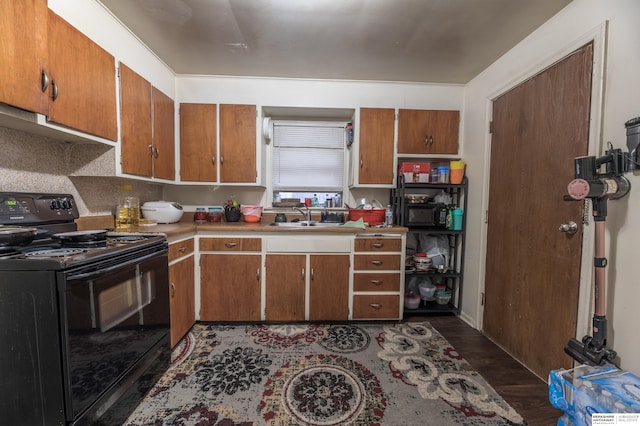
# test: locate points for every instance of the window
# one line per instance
(308, 158)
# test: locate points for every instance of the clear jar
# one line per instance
(128, 212)
(443, 174)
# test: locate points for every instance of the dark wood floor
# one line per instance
(523, 390)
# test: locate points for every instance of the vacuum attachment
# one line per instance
(633, 143)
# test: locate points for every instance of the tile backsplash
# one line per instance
(33, 163)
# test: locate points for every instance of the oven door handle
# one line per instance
(103, 271)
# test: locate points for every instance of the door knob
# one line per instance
(569, 228)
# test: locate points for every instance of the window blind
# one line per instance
(308, 156)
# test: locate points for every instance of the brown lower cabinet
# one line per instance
(182, 304)
(181, 288)
(230, 287)
(287, 276)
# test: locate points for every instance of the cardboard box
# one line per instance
(410, 167)
(415, 172)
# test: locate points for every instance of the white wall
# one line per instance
(621, 102)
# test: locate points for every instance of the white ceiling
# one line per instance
(435, 41)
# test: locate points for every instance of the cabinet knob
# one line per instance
(302, 274)
(221, 160)
(173, 289)
(313, 274)
(361, 163)
(258, 274)
(182, 249)
(150, 150)
(213, 160)
(230, 245)
(156, 152)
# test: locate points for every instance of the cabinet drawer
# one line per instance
(377, 262)
(378, 244)
(376, 282)
(180, 248)
(230, 244)
(376, 306)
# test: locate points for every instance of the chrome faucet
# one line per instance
(306, 214)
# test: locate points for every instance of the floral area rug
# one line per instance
(309, 374)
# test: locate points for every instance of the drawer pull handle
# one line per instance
(377, 245)
(376, 262)
(173, 289)
(182, 249)
(376, 282)
(376, 305)
(230, 245)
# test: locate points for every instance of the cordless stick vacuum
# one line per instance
(600, 186)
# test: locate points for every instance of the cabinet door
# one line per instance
(164, 157)
(230, 287)
(285, 287)
(83, 81)
(238, 144)
(375, 164)
(428, 131)
(198, 142)
(182, 301)
(135, 123)
(329, 287)
(23, 49)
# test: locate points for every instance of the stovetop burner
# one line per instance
(57, 252)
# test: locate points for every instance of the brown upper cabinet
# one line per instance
(51, 68)
(147, 127)
(238, 144)
(428, 131)
(198, 142)
(23, 68)
(375, 162)
(236, 160)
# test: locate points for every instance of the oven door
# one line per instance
(113, 318)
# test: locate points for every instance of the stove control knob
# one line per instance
(55, 204)
(65, 204)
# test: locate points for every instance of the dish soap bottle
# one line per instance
(388, 217)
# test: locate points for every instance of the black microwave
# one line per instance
(427, 214)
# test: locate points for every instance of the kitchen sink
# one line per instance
(305, 224)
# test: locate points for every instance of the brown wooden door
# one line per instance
(376, 146)
(135, 123)
(532, 269)
(285, 277)
(230, 287)
(238, 144)
(198, 142)
(23, 49)
(428, 131)
(182, 305)
(83, 80)
(329, 288)
(164, 157)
